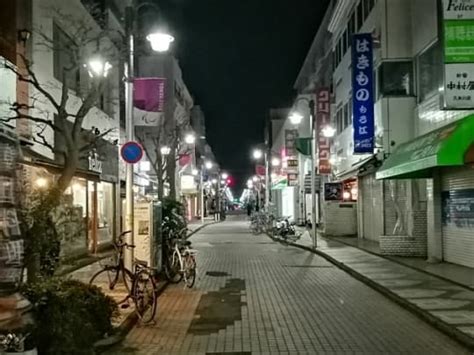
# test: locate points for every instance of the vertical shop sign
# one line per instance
(323, 119)
(363, 93)
(290, 142)
(458, 49)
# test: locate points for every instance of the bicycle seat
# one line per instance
(141, 262)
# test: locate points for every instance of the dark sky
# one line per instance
(239, 58)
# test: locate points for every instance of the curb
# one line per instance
(124, 328)
(388, 257)
(201, 227)
(452, 332)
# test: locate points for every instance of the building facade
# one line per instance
(408, 195)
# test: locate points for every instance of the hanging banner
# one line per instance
(458, 48)
(290, 142)
(148, 101)
(363, 93)
(323, 117)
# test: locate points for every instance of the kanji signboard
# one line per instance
(323, 118)
(363, 93)
(458, 50)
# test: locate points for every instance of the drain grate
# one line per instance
(217, 273)
(231, 353)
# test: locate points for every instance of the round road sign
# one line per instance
(131, 152)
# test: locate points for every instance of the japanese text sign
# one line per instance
(290, 142)
(323, 119)
(458, 50)
(363, 93)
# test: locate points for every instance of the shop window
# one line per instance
(345, 39)
(105, 212)
(396, 78)
(72, 217)
(360, 15)
(65, 59)
(430, 69)
(339, 120)
(346, 115)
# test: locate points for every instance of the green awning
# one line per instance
(303, 145)
(280, 184)
(450, 145)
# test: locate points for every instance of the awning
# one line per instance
(451, 145)
(280, 184)
(354, 170)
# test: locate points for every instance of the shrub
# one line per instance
(70, 316)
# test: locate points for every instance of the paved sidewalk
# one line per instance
(255, 296)
(444, 304)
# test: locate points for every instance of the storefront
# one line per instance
(87, 217)
(445, 158)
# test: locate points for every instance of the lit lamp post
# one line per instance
(160, 41)
(208, 166)
(296, 118)
(257, 155)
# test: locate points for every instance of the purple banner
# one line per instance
(149, 94)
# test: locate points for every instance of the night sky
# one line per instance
(240, 58)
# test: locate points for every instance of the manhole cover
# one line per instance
(217, 273)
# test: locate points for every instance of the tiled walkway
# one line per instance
(450, 304)
(255, 296)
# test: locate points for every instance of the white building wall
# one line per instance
(44, 14)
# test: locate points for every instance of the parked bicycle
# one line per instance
(260, 222)
(138, 286)
(285, 230)
(180, 262)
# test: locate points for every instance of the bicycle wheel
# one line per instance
(173, 268)
(111, 281)
(189, 270)
(145, 296)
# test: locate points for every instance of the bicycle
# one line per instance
(181, 264)
(138, 285)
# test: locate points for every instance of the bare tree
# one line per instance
(53, 109)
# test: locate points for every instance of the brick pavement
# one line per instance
(254, 296)
(448, 304)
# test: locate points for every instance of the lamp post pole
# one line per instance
(267, 181)
(314, 140)
(129, 133)
(201, 184)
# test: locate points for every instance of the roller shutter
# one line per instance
(458, 215)
(372, 205)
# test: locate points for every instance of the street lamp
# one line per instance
(296, 118)
(165, 150)
(224, 176)
(276, 162)
(207, 164)
(160, 42)
(190, 138)
(257, 154)
(97, 67)
(328, 131)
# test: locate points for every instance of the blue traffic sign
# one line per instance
(131, 152)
